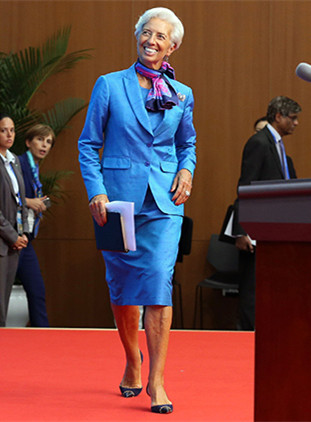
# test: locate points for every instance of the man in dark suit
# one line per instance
(263, 158)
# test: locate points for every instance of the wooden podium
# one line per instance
(278, 215)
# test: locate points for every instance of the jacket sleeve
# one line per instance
(252, 159)
(291, 168)
(185, 137)
(7, 231)
(92, 140)
(22, 194)
(21, 183)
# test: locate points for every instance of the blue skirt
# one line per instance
(144, 277)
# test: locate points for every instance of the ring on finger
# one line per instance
(187, 193)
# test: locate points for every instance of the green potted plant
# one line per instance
(22, 75)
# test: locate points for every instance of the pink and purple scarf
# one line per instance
(162, 96)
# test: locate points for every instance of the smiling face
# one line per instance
(154, 43)
(39, 146)
(7, 134)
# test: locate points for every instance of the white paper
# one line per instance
(228, 230)
(126, 209)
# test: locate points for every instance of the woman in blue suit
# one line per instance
(149, 159)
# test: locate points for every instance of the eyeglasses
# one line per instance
(292, 117)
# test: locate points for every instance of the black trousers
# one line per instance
(30, 276)
(247, 288)
(8, 267)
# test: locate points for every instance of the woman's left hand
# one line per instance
(182, 186)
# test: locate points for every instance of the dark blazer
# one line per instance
(27, 175)
(260, 161)
(8, 207)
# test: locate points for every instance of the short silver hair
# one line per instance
(282, 105)
(166, 15)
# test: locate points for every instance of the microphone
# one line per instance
(303, 70)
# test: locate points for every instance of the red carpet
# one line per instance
(73, 375)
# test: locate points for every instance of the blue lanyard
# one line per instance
(18, 195)
(37, 186)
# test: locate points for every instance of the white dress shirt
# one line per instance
(8, 160)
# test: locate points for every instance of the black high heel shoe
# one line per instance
(160, 408)
(131, 392)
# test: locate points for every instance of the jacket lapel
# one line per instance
(169, 115)
(165, 123)
(7, 177)
(133, 92)
(19, 177)
(135, 99)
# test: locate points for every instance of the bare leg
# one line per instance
(158, 321)
(127, 319)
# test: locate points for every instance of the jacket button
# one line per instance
(147, 164)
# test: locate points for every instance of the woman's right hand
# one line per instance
(98, 208)
(36, 204)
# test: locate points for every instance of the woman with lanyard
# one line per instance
(13, 213)
(39, 141)
(148, 159)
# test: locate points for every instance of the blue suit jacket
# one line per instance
(134, 155)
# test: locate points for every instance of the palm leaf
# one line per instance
(51, 184)
(23, 119)
(59, 116)
(23, 73)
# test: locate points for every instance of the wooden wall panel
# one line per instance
(76, 291)
(290, 45)
(236, 55)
